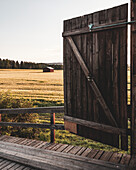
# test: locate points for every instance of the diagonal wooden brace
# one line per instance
(92, 83)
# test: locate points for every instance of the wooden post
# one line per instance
(52, 135)
(133, 80)
(0, 126)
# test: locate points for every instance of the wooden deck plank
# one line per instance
(23, 142)
(93, 153)
(20, 167)
(2, 137)
(42, 145)
(1, 159)
(86, 152)
(68, 149)
(39, 143)
(20, 140)
(9, 138)
(56, 147)
(14, 140)
(14, 167)
(64, 146)
(35, 143)
(2, 162)
(27, 168)
(99, 154)
(44, 159)
(116, 157)
(81, 151)
(5, 138)
(5, 164)
(49, 147)
(75, 150)
(106, 156)
(125, 159)
(29, 143)
(9, 166)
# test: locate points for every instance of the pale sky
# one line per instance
(31, 30)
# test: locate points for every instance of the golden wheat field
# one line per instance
(33, 84)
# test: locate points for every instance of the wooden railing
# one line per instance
(52, 126)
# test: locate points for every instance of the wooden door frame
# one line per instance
(133, 79)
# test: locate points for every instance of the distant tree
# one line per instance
(26, 65)
(17, 65)
(22, 65)
(13, 63)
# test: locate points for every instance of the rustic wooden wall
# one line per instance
(105, 54)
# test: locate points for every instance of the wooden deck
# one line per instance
(21, 153)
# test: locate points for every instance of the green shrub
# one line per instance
(7, 101)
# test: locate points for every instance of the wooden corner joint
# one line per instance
(70, 126)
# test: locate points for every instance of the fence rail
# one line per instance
(52, 126)
(54, 109)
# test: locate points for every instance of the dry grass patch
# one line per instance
(33, 84)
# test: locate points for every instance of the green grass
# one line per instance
(65, 137)
(44, 89)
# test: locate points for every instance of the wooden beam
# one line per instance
(34, 125)
(97, 126)
(47, 159)
(55, 109)
(92, 83)
(94, 29)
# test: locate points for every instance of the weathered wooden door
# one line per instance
(95, 76)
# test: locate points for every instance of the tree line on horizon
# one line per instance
(11, 64)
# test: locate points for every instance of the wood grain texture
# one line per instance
(99, 55)
(133, 80)
(64, 148)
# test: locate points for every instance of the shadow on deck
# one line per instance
(21, 153)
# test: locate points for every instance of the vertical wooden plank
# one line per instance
(89, 63)
(83, 81)
(73, 73)
(78, 70)
(95, 65)
(80, 129)
(52, 120)
(108, 65)
(123, 78)
(115, 75)
(68, 60)
(65, 70)
(114, 17)
(111, 14)
(85, 106)
(133, 80)
(102, 60)
(90, 67)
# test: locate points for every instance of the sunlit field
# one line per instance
(42, 88)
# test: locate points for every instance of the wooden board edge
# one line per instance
(70, 126)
